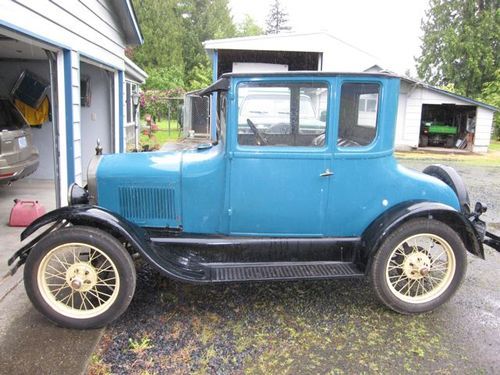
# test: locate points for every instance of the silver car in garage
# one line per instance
(18, 155)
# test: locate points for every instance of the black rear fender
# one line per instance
(386, 223)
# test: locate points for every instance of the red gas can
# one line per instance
(25, 212)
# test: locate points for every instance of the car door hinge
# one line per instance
(230, 155)
(229, 212)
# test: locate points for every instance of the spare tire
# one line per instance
(451, 178)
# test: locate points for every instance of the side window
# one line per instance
(358, 114)
(221, 115)
(282, 114)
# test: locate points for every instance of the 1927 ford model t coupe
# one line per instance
(299, 182)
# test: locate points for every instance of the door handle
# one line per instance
(326, 173)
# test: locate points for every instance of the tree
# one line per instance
(248, 27)
(162, 31)
(277, 19)
(203, 20)
(460, 44)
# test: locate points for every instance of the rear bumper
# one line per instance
(22, 169)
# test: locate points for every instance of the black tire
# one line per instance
(451, 178)
(110, 258)
(381, 275)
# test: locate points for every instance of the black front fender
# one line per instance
(386, 223)
(87, 215)
(98, 217)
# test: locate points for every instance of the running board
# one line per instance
(228, 272)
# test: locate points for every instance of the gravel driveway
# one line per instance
(324, 327)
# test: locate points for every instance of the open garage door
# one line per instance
(447, 125)
(28, 80)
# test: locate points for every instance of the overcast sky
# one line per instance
(388, 29)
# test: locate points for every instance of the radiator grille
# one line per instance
(141, 203)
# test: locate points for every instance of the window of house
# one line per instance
(282, 114)
(358, 114)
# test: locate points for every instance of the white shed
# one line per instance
(78, 49)
(419, 104)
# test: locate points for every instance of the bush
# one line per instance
(157, 103)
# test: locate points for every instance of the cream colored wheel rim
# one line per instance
(420, 268)
(78, 280)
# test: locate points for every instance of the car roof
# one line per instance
(309, 73)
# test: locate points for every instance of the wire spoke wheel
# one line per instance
(420, 268)
(78, 280)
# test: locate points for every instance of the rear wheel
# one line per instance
(80, 277)
(419, 266)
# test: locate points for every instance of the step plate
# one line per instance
(282, 271)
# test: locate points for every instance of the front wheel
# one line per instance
(80, 277)
(419, 266)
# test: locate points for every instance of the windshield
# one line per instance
(10, 118)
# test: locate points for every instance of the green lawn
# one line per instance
(163, 135)
(494, 146)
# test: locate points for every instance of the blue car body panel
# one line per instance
(241, 190)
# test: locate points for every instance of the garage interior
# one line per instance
(294, 60)
(447, 125)
(17, 57)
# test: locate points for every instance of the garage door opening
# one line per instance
(448, 126)
(97, 108)
(20, 59)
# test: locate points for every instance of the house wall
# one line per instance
(87, 26)
(42, 136)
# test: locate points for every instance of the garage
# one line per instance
(74, 54)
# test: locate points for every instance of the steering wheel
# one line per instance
(319, 141)
(259, 139)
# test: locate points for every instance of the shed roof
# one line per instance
(297, 42)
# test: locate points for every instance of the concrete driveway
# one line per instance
(29, 343)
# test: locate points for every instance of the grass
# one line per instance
(491, 158)
(163, 135)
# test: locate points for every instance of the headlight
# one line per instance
(77, 195)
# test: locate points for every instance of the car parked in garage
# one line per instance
(18, 155)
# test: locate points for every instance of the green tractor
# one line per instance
(438, 134)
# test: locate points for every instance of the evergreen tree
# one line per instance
(461, 44)
(249, 28)
(277, 19)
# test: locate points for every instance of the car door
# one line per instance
(279, 167)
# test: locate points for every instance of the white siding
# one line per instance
(77, 138)
(86, 26)
(484, 122)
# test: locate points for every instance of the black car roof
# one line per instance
(310, 73)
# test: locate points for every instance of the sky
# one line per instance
(388, 29)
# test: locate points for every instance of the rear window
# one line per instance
(10, 118)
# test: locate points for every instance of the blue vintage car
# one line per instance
(266, 199)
